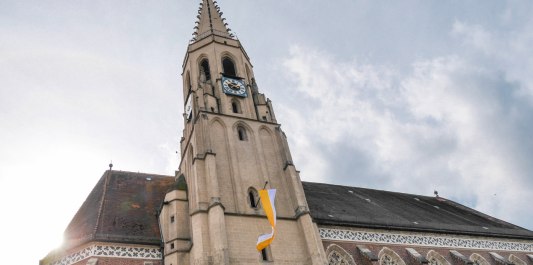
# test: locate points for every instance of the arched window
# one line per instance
(338, 256)
(242, 133)
(228, 66)
(204, 67)
(188, 81)
(253, 198)
(435, 258)
(235, 106)
(516, 260)
(478, 259)
(388, 257)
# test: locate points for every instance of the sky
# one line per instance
(407, 96)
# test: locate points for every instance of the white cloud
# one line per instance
(451, 124)
(507, 50)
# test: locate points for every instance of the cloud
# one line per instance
(455, 123)
(508, 50)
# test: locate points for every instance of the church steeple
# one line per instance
(210, 22)
(231, 146)
(218, 74)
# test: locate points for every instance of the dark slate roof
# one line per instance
(121, 207)
(360, 207)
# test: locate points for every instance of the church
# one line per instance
(232, 147)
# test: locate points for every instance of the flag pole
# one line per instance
(259, 199)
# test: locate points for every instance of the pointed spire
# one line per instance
(210, 22)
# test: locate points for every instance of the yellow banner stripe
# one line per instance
(267, 200)
(267, 206)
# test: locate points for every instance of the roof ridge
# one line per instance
(102, 202)
(141, 173)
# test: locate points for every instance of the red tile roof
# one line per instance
(122, 207)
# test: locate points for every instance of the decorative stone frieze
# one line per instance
(97, 250)
(422, 239)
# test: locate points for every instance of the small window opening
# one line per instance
(242, 134)
(205, 67)
(172, 219)
(235, 107)
(264, 118)
(212, 109)
(229, 66)
(253, 198)
(265, 254)
(171, 245)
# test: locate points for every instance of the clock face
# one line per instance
(233, 86)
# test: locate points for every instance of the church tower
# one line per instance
(232, 146)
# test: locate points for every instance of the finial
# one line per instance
(111, 165)
(436, 193)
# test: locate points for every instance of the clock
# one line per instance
(232, 86)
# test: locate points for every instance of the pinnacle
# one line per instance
(210, 22)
